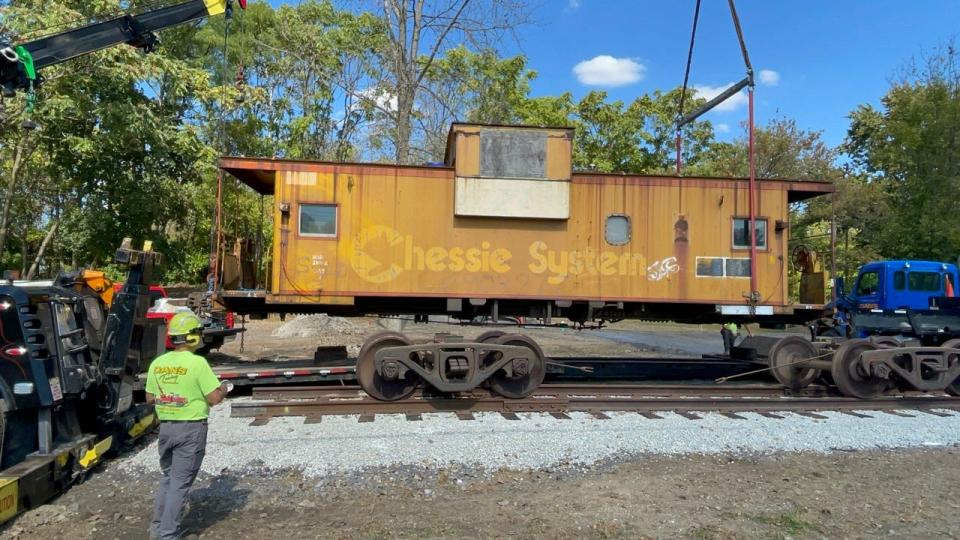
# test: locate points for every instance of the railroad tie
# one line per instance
(650, 415)
(599, 415)
(898, 413)
(364, 418)
(690, 415)
(856, 414)
(809, 414)
(733, 415)
(413, 417)
(770, 415)
(312, 419)
(465, 416)
(935, 413)
(560, 415)
(509, 415)
(260, 421)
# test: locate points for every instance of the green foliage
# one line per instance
(613, 137)
(909, 148)
(128, 142)
(783, 150)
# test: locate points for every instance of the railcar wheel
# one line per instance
(954, 388)
(376, 384)
(849, 375)
(527, 376)
(886, 341)
(784, 357)
(490, 336)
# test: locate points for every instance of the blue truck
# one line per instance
(898, 328)
(899, 299)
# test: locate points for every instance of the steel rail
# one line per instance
(728, 390)
(564, 399)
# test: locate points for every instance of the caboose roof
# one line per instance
(259, 174)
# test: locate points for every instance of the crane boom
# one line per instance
(18, 64)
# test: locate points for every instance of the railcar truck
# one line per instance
(899, 327)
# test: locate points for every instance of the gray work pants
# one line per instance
(182, 446)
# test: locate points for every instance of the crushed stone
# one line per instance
(315, 326)
(342, 445)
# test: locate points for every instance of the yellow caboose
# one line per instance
(506, 227)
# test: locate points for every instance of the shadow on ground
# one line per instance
(211, 504)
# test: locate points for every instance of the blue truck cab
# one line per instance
(902, 285)
(914, 299)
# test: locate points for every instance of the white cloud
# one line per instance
(769, 77)
(723, 128)
(732, 103)
(573, 4)
(381, 98)
(605, 70)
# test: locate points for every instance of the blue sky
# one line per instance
(827, 56)
(830, 56)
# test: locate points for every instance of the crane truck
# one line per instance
(70, 358)
(69, 378)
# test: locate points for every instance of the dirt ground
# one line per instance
(847, 495)
(906, 494)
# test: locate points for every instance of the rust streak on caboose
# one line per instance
(505, 226)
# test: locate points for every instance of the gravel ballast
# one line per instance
(341, 444)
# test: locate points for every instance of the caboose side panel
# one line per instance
(394, 232)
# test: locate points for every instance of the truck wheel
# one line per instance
(490, 336)
(954, 388)
(528, 373)
(786, 356)
(848, 373)
(376, 384)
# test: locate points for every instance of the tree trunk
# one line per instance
(404, 112)
(19, 157)
(23, 253)
(43, 248)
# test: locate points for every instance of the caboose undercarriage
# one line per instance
(390, 366)
(260, 303)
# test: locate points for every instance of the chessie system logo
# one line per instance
(380, 253)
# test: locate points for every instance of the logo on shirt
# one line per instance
(169, 374)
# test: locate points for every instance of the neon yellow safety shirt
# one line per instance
(180, 382)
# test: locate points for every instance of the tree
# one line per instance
(417, 33)
(612, 137)
(468, 86)
(909, 147)
(783, 150)
(112, 154)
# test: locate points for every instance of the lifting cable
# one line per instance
(686, 79)
(216, 261)
(747, 82)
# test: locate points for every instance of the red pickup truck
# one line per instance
(218, 329)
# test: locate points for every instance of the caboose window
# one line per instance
(738, 267)
(618, 229)
(741, 233)
(710, 266)
(318, 220)
(723, 267)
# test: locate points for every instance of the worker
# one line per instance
(183, 388)
(729, 333)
